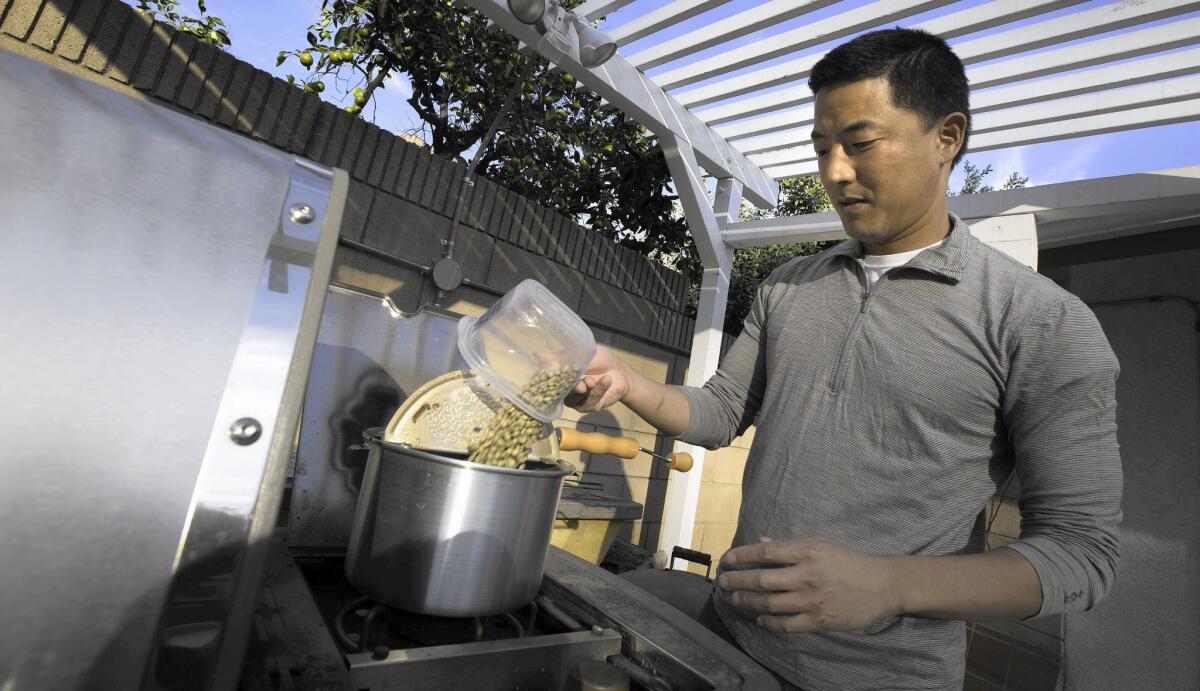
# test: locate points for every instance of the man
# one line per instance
(895, 382)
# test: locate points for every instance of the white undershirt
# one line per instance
(878, 264)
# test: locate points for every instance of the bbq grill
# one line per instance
(182, 470)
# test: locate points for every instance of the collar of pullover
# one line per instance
(948, 260)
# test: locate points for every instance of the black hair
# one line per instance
(925, 76)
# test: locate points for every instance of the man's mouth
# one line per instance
(849, 203)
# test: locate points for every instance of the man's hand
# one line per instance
(605, 382)
(809, 585)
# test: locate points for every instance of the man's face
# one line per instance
(885, 172)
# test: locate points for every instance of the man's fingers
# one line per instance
(768, 552)
(763, 580)
(792, 623)
(779, 604)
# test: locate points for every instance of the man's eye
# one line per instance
(859, 146)
(821, 152)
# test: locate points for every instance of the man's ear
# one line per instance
(952, 131)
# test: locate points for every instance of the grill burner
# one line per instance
(314, 631)
(365, 626)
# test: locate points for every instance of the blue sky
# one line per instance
(260, 28)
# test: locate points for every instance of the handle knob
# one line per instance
(595, 442)
(680, 461)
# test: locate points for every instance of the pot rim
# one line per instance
(374, 435)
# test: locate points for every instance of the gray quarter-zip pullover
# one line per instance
(886, 418)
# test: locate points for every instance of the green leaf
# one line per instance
(280, 58)
(312, 40)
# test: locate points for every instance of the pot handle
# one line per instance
(594, 442)
(622, 447)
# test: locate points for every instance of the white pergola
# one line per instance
(741, 115)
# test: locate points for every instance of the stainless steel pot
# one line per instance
(447, 537)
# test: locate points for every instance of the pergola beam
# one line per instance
(1168, 193)
(758, 17)
(657, 20)
(880, 13)
(1016, 121)
(1119, 121)
(640, 98)
(595, 9)
(1059, 29)
(795, 122)
(1095, 52)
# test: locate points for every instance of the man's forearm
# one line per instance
(998, 584)
(659, 404)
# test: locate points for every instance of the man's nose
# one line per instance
(839, 170)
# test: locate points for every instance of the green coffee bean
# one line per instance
(508, 437)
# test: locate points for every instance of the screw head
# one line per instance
(301, 213)
(245, 431)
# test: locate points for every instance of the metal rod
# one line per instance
(484, 144)
(555, 612)
(416, 266)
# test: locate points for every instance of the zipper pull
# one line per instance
(863, 308)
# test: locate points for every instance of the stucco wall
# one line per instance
(1144, 289)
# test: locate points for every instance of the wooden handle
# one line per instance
(594, 442)
(680, 462)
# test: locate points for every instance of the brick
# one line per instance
(306, 125)
(728, 465)
(155, 57)
(487, 205)
(1005, 517)
(289, 114)
(413, 175)
(548, 237)
(555, 235)
(202, 59)
(50, 23)
(1030, 671)
(20, 18)
(212, 93)
(394, 162)
(367, 151)
(252, 105)
(399, 227)
(718, 538)
(718, 503)
(510, 265)
(272, 110)
(446, 188)
(336, 142)
(121, 67)
(989, 657)
(175, 69)
(501, 215)
(359, 200)
(348, 159)
(579, 245)
(384, 143)
(93, 32)
(236, 92)
(972, 682)
(472, 207)
(433, 183)
(474, 250)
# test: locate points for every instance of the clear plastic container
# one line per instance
(530, 346)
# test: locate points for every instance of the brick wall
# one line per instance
(401, 202)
